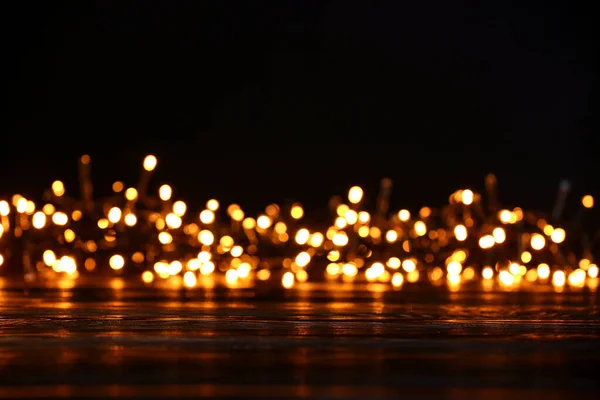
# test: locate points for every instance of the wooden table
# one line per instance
(314, 343)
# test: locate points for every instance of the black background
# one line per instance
(256, 102)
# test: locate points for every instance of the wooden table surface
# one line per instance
(425, 344)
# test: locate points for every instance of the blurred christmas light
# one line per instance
(155, 237)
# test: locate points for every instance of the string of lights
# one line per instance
(158, 240)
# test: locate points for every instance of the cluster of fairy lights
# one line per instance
(160, 241)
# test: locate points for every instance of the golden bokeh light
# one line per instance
(166, 242)
(587, 201)
(150, 162)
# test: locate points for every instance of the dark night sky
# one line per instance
(256, 101)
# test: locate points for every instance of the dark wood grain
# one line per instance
(309, 343)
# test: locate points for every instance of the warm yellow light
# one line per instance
(340, 223)
(204, 256)
(514, 268)
(58, 188)
(364, 217)
(332, 269)
(39, 220)
(397, 279)
(593, 271)
(212, 205)
(340, 239)
(249, 223)
(333, 255)
(173, 221)
(150, 162)
(301, 276)
(76, 215)
(162, 269)
(243, 270)
(584, 264)
(537, 241)
(467, 197)
(147, 276)
(175, 267)
(587, 201)
(505, 216)
(526, 257)
(60, 218)
(226, 242)
(4, 208)
(130, 220)
(453, 279)
(487, 273)
(577, 278)
(394, 262)
(342, 209)
(29, 207)
(49, 257)
(263, 274)
(375, 271)
(460, 232)
(558, 278)
(207, 217)
(165, 192)
(543, 271)
(236, 251)
(531, 275)
(454, 268)
(363, 231)
(207, 268)
(486, 242)
(297, 212)
(316, 239)
(131, 194)
(413, 276)
(409, 265)
(189, 279)
(499, 235)
(558, 235)
(355, 195)
(264, 222)
(114, 215)
(506, 278)
(237, 215)
(349, 270)
(21, 205)
(15, 199)
(194, 264)
(67, 265)
(206, 237)
(165, 238)
(179, 208)
(302, 259)
(287, 280)
(117, 262)
(420, 228)
(69, 235)
(378, 269)
(404, 215)
(391, 236)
